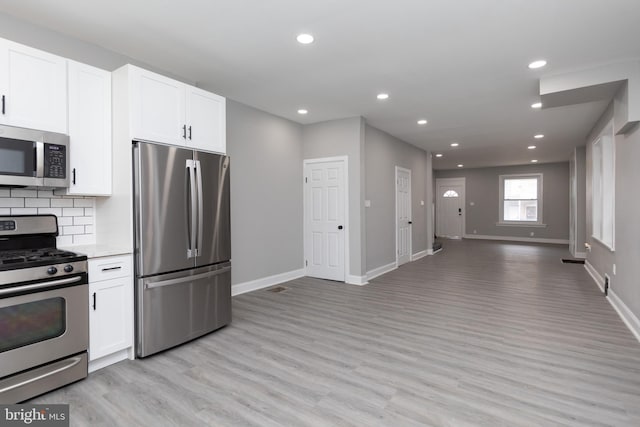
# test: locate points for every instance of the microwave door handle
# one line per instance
(39, 159)
(192, 208)
(200, 209)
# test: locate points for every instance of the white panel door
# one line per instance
(403, 215)
(33, 85)
(325, 219)
(89, 130)
(158, 108)
(110, 316)
(449, 208)
(206, 120)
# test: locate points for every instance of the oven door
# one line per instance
(44, 325)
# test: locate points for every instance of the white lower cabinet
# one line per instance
(110, 310)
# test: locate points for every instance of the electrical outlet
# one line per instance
(532, 234)
(367, 203)
(475, 231)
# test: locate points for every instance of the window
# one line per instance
(603, 187)
(450, 193)
(521, 199)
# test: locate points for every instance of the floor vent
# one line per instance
(277, 289)
(573, 261)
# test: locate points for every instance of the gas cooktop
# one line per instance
(23, 258)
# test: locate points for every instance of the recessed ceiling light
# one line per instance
(454, 144)
(383, 96)
(305, 38)
(460, 165)
(531, 147)
(302, 111)
(538, 64)
(537, 105)
(534, 161)
(422, 122)
(439, 155)
(538, 136)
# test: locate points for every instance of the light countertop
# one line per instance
(97, 251)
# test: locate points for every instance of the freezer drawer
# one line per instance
(177, 307)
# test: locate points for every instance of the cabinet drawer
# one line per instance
(109, 268)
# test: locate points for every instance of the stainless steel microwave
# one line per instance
(33, 158)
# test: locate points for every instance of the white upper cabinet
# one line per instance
(89, 130)
(206, 120)
(33, 88)
(157, 107)
(168, 111)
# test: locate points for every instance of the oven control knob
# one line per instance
(68, 268)
(52, 270)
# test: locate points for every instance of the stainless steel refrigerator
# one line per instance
(182, 245)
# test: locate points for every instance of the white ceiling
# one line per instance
(460, 64)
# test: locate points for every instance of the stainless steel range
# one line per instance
(44, 309)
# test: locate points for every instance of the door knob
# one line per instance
(340, 227)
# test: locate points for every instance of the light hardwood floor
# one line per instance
(483, 333)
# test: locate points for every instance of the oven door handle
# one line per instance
(68, 364)
(40, 285)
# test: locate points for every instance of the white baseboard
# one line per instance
(517, 239)
(107, 360)
(580, 255)
(594, 275)
(372, 274)
(430, 252)
(417, 256)
(356, 280)
(627, 316)
(265, 282)
(439, 250)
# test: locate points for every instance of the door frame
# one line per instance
(401, 169)
(305, 163)
(452, 181)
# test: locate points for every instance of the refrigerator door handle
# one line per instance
(200, 209)
(191, 251)
(184, 279)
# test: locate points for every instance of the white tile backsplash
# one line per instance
(76, 217)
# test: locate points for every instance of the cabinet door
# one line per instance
(110, 316)
(34, 88)
(89, 130)
(206, 120)
(157, 107)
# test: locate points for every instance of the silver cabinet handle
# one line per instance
(112, 268)
(68, 364)
(40, 285)
(186, 279)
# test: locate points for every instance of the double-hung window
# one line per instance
(521, 199)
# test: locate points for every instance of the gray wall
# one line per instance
(344, 137)
(28, 34)
(625, 283)
(383, 153)
(482, 188)
(266, 193)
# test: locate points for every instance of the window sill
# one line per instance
(606, 245)
(521, 224)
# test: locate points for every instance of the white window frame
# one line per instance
(603, 188)
(539, 222)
